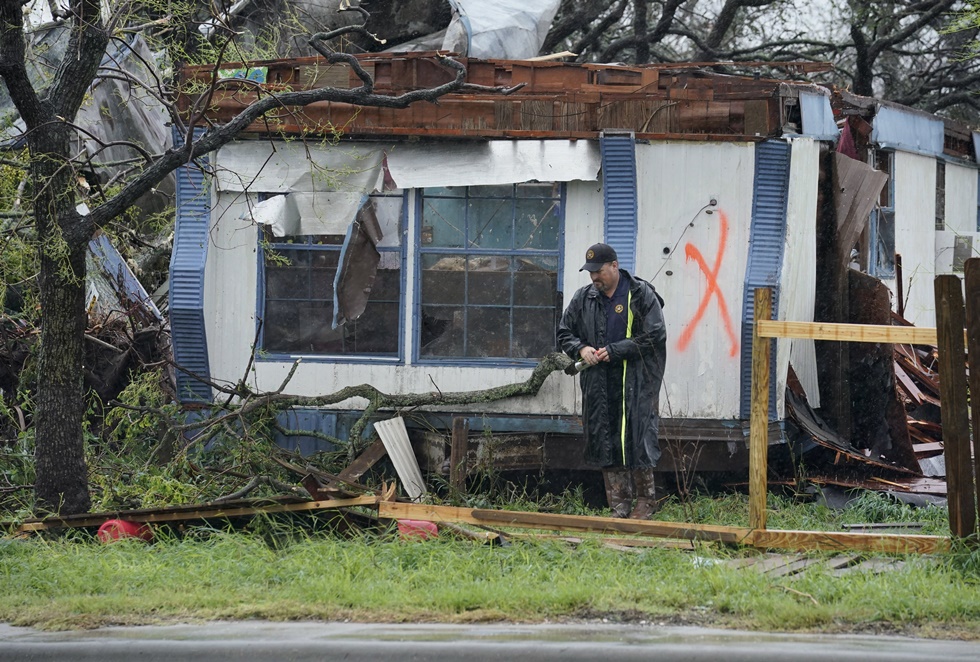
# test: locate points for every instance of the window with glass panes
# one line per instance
(297, 306)
(488, 271)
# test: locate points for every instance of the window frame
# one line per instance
(940, 195)
(421, 251)
(877, 213)
(263, 355)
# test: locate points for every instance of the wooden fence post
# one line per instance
(972, 282)
(457, 452)
(950, 321)
(759, 413)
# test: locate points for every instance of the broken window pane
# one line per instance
(490, 223)
(444, 218)
(537, 224)
(883, 226)
(882, 223)
(299, 274)
(497, 297)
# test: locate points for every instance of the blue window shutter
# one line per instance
(619, 195)
(767, 238)
(190, 343)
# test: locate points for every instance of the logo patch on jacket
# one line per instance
(619, 308)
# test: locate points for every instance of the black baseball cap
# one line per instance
(598, 255)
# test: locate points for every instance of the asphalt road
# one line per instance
(286, 642)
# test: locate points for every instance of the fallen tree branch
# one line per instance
(255, 482)
(378, 400)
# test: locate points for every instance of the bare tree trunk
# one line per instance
(640, 10)
(63, 235)
(62, 475)
(863, 64)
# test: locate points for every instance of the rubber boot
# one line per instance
(618, 491)
(646, 494)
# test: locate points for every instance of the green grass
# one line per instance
(285, 574)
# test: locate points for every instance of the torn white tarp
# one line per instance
(493, 162)
(503, 29)
(299, 167)
(329, 212)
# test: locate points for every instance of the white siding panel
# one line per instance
(915, 234)
(961, 198)
(799, 272)
(229, 287)
(584, 226)
(676, 181)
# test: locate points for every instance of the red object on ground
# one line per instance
(414, 529)
(116, 529)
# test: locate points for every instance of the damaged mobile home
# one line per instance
(433, 248)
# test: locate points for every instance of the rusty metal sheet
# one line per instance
(603, 96)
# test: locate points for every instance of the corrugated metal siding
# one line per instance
(619, 192)
(907, 131)
(190, 251)
(766, 245)
(818, 117)
(307, 420)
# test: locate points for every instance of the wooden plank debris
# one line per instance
(197, 512)
(841, 541)
(794, 540)
(555, 522)
(793, 565)
(876, 333)
(457, 455)
(871, 566)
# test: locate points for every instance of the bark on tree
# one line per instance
(62, 235)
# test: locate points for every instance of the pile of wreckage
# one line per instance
(915, 474)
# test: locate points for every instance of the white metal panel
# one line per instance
(298, 166)
(799, 272)
(327, 212)
(474, 163)
(584, 219)
(683, 250)
(961, 198)
(230, 287)
(915, 234)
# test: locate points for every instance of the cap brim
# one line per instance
(592, 266)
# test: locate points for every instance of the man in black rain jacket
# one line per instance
(616, 327)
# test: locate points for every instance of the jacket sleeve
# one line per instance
(571, 331)
(649, 329)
